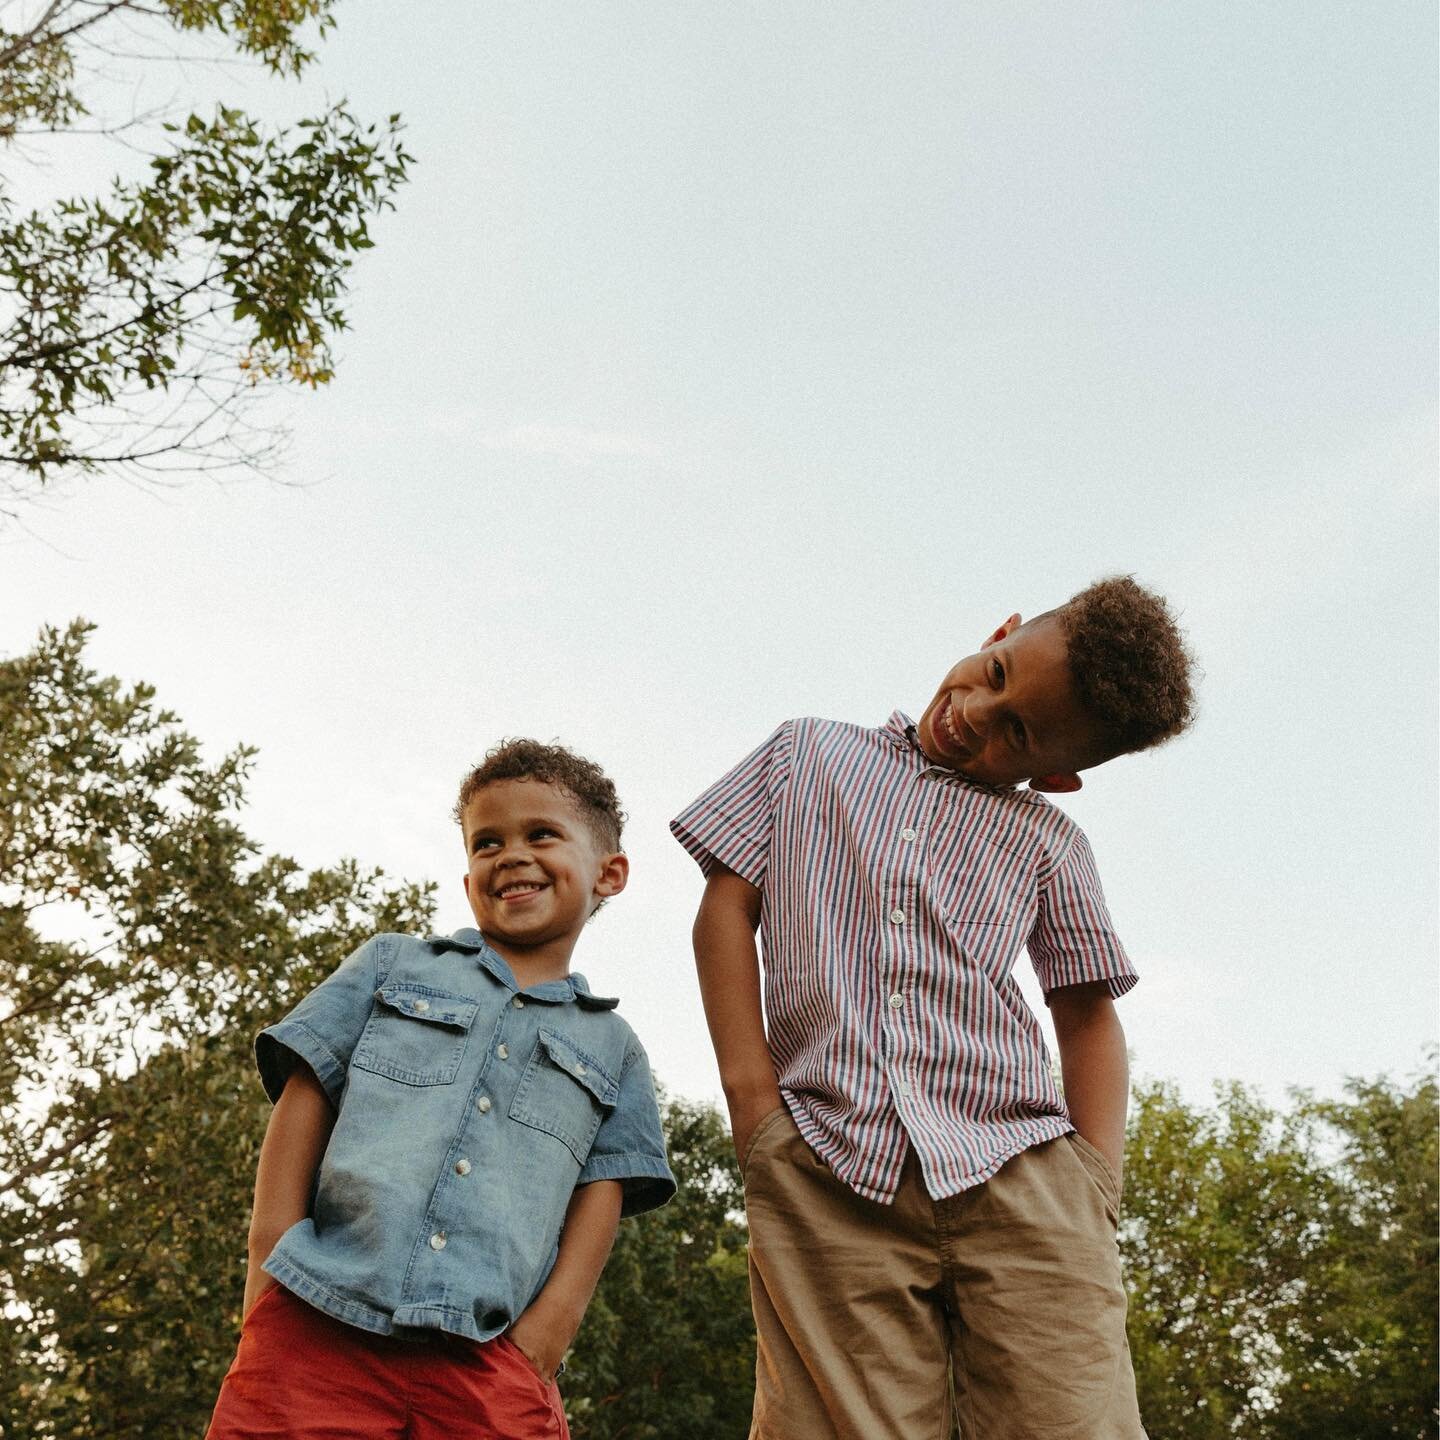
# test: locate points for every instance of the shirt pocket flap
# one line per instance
(433, 1006)
(415, 1034)
(564, 1055)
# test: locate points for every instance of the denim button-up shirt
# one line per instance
(468, 1110)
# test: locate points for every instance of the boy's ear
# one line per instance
(614, 872)
(1011, 624)
(1062, 784)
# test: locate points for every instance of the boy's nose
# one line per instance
(978, 710)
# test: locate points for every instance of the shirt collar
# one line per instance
(573, 986)
(899, 729)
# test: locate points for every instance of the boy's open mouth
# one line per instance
(947, 723)
(518, 890)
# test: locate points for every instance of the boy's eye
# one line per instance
(997, 673)
(483, 843)
(540, 832)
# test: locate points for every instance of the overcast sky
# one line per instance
(724, 363)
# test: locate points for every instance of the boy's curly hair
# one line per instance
(1130, 663)
(583, 780)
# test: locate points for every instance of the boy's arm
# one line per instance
(548, 1324)
(729, 970)
(1093, 1066)
(294, 1145)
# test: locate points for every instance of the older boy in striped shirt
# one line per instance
(927, 1215)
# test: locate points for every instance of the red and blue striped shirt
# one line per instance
(896, 896)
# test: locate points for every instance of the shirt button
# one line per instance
(896, 1000)
(421, 1006)
(581, 1070)
(904, 1087)
(483, 1104)
(907, 834)
(897, 917)
(503, 1051)
(518, 1003)
(437, 1240)
(462, 1167)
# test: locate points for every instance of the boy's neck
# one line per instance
(533, 967)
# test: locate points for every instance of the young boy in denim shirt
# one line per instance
(926, 1212)
(459, 1125)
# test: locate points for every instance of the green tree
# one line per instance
(143, 941)
(1218, 1235)
(668, 1345)
(1282, 1266)
(137, 328)
(1366, 1366)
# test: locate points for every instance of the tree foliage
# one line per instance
(1371, 1357)
(1282, 1264)
(143, 941)
(668, 1345)
(137, 327)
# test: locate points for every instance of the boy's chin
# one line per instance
(925, 738)
(978, 775)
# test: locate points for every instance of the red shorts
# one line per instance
(300, 1375)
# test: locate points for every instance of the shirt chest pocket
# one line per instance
(415, 1035)
(986, 896)
(979, 883)
(564, 1092)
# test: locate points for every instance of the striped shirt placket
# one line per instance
(908, 850)
(899, 932)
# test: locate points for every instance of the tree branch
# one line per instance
(33, 37)
(46, 1159)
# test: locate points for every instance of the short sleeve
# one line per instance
(630, 1144)
(322, 1030)
(1074, 940)
(731, 823)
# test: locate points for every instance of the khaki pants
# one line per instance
(865, 1313)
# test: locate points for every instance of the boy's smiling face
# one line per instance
(1011, 712)
(536, 871)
